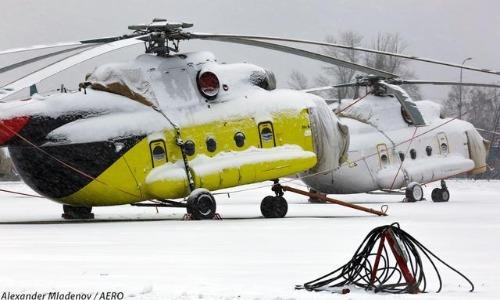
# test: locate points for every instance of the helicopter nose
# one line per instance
(10, 128)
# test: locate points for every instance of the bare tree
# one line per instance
(481, 107)
(452, 103)
(392, 42)
(335, 74)
(298, 81)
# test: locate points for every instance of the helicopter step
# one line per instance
(77, 213)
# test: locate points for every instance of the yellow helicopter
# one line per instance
(166, 125)
(161, 127)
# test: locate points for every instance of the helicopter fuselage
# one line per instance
(387, 153)
(143, 131)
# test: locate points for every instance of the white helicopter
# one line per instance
(397, 143)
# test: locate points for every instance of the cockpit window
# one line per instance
(265, 80)
(406, 116)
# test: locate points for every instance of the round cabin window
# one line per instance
(211, 144)
(428, 150)
(401, 156)
(158, 153)
(266, 134)
(189, 147)
(413, 154)
(239, 139)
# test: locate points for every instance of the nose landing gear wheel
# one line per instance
(274, 207)
(414, 192)
(201, 205)
(77, 213)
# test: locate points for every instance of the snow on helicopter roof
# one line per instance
(384, 113)
(169, 79)
(171, 82)
(167, 82)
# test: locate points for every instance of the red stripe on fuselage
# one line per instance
(9, 128)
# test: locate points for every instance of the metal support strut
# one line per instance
(319, 196)
(180, 143)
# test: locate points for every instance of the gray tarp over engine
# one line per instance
(478, 151)
(331, 141)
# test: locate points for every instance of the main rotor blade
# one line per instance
(399, 82)
(295, 51)
(67, 44)
(423, 59)
(64, 64)
(491, 85)
(41, 57)
(329, 87)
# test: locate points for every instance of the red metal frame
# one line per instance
(400, 260)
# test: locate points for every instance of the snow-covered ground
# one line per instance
(244, 256)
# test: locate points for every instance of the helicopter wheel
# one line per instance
(414, 192)
(77, 212)
(440, 195)
(273, 207)
(201, 204)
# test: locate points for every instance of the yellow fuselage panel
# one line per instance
(125, 181)
(228, 170)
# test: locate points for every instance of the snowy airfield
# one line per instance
(244, 256)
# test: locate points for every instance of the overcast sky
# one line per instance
(448, 30)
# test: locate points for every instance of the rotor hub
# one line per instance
(160, 36)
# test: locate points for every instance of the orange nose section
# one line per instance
(9, 128)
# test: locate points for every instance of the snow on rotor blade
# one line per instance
(488, 131)
(39, 47)
(309, 42)
(329, 87)
(41, 57)
(295, 51)
(491, 85)
(64, 44)
(64, 64)
(318, 89)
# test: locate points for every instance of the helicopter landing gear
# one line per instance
(414, 192)
(441, 194)
(201, 205)
(77, 212)
(274, 206)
